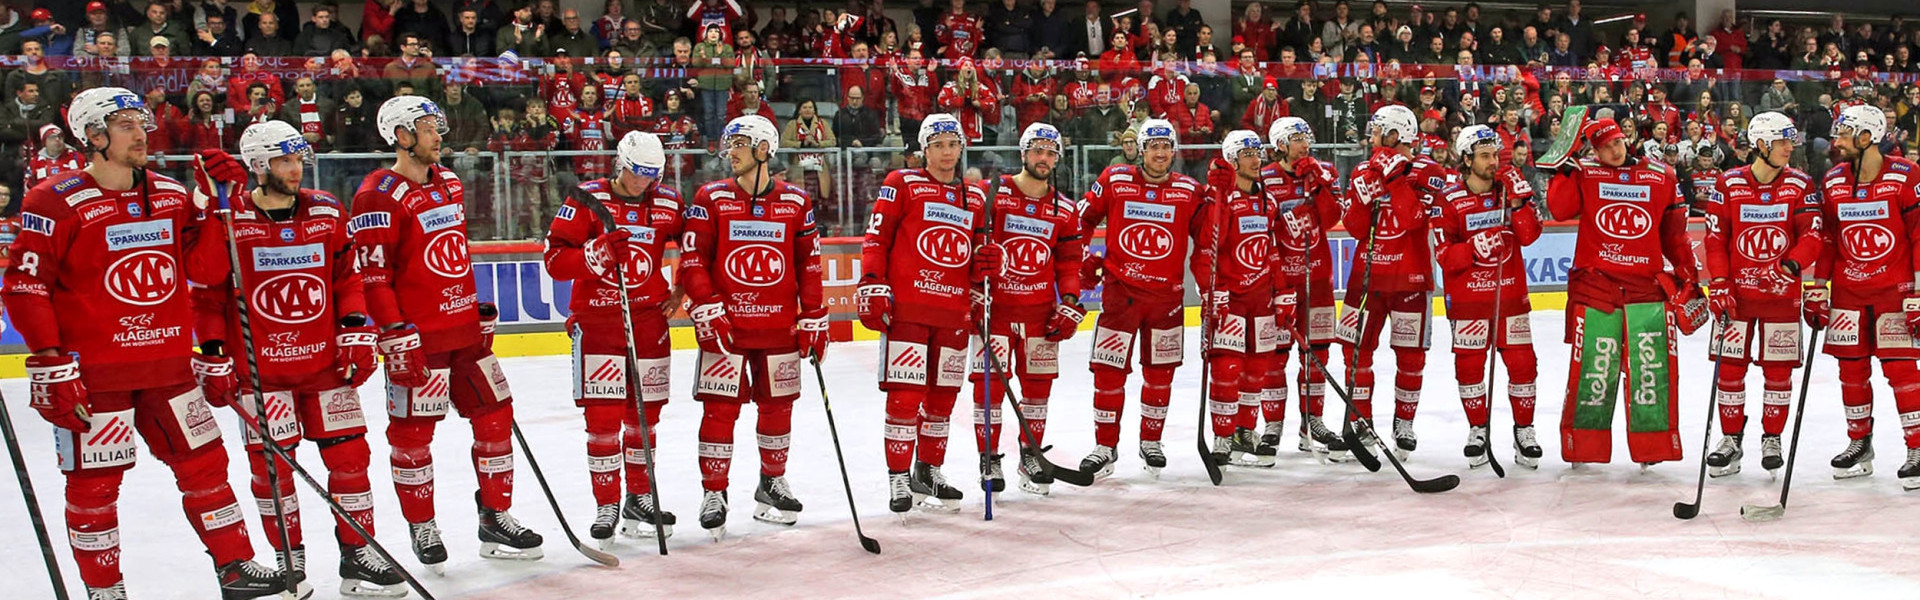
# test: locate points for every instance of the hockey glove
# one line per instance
(1720, 297)
(1688, 307)
(353, 353)
(1066, 320)
(874, 301)
(1491, 247)
(216, 378)
(489, 320)
(1286, 307)
(1216, 306)
(406, 364)
(813, 337)
(712, 328)
(988, 261)
(211, 167)
(1912, 308)
(1091, 269)
(58, 394)
(1814, 307)
(607, 253)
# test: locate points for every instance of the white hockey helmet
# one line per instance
(1769, 126)
(1862, 117)
(1397, 119)
(640, 153)
(263, 142)
(1040, 133)
(1285, 129)
(1473, 136)
(1238, 141)
(939, 123)
(407, 111)
(1158, 129)
(90, 109)
(757, 129)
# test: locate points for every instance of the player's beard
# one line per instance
(277, 185)
(1041, 171)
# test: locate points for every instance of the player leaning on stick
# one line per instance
(1622, 302)
(1763, 228)
(581, 250)
(1240, 300)
(95, 291)
(1871, 209)
(1306, 202)
(1036, 304)
(313, 339)
(1483, 222)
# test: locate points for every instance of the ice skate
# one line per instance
(1725, 458)
(1770, 458)
(1856, 460)
(930, 489)
(637, 515)
(243, 579)
(1477, 449)
(1246, 450)
(992, 480)
(503, 537)
(605, 518)
(1222, 451)
(116, 591)
(1341, 453)
(713, 514)
(1270, 437)
(363, 574)
(1404, 441)
(1526, 447)
(1910, 472)
(899, 494)
(427, 547)
(1100, 461)
(1154, 457)
(1034, 479)
(776, 502)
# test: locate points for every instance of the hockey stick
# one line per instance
(33, 504)
(1060, 473)
(1756, 513)
(1202, 426)
(1425, 486)
(225, 211)
(605, 216)
(1496, 330)
(986, 347)
(871, 545)
(1348, 432)
(593, 554)
(1683, 510)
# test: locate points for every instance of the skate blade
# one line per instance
(1104, 472)
(355, 588)
(1718, 472)
(1910, 483)
(1524, 461)
(1037, 489)
(929, 503)
(718, 534)
(768, 514)
(1859, 470)
(301, 591)
(1342, 456)
(604, 544)
(1151, 471)
(1402, 454)
(439, 569)
(1475, 462)
(498, 551)
(635, 528)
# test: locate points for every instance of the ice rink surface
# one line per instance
(1300, 529)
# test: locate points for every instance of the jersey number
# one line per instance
(371, 256)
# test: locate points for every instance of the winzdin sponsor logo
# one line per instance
(141, 234)
(1862, 211)
(1625, 193)
(756, 231)
(290, 258)
(1141, 211)
(436, 219)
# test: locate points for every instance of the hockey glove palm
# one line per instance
(1720, 297)
(1814, 306)
(813, 337)
(353, 354)
(406, 363)
(489, 321)
(215, 167)
(216, 378)
(874, 301)
(1066, 320)
(58, 394)
(712, 328)
(988, 262)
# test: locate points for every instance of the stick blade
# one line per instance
(1754, 513)
(871, 545)
(1684, 511)
(597, 555)
(1436, 485)
(1360, 451)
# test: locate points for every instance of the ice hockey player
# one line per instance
(1763, 230)
(1622, 303)
(925, 228)
(1388, 212)
(1154, 219)
(1482, 223)
(1239, 304)
(94, 277)
(314, 340)
(1306, 202)
(750, 265)
(646, 217)
(1872, 216)
(1035, 304)
(410, 231)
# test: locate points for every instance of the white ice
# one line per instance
(1300, 529)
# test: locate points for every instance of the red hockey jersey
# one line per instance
(652, 220)
(1304, 206)
(43, 167)
(412, 243)
(1751, 227)
(1044, 248)
(1873, 227)
(1630, 217)
(1392, 228)
(1473, 283)
(1151, 227)
(920, 241)
(1242, 222)
(760, 256)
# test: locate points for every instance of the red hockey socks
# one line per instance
(1313, 384)
(346, 461)
(603, 451)
(716, 442)
(263, 498)
(93, 525)
(935, 416)
(1409, 362)
(775, 433)
(1470, 368)
(210, 505)
(1154, 398)
(493, 456)
(1730, 393)
(1523, 370)
(636, 449)
(1856, 393)
(1034, 407)
(1776, 399)
(1223, 392)
(412, 462)
(1001, 420)
(1109, 401)
(1904, 377)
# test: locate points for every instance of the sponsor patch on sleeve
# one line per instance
(36, 223)
(565, 213)
(372, 220)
